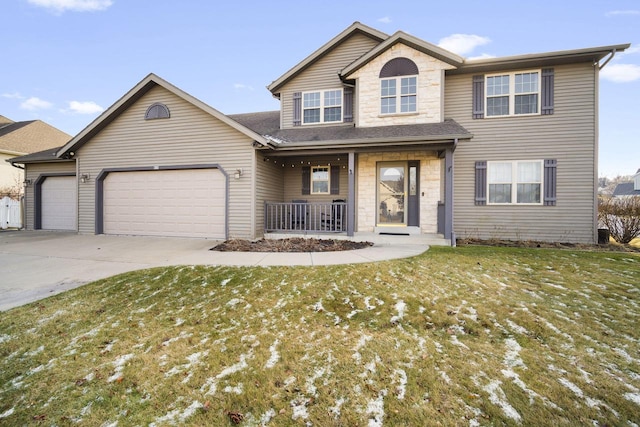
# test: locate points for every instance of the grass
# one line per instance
(465, 336)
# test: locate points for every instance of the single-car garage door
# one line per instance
(58, 204)
(179, 203)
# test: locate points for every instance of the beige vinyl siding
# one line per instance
(569, 135)
(269, 187)
(293, 177)
(189, 137)
(35, 170)
(324, 73)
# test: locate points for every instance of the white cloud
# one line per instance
(462, 44)
(622, 12)
(385, 20)
(242, 86)
(88, 107)
(482, 56)
(14, 95)
(34, 103)
(59, 6)
(621, 73)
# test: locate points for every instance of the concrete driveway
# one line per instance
(37, 264)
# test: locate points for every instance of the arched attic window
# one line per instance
(157, 111)
(399, 86)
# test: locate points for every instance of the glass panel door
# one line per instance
(392, 189)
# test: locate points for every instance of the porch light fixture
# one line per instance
(26, 183)
(238, 174)
(84, 177)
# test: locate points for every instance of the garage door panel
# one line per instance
(189, 203)
(58, 203)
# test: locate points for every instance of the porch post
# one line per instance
(351, 197)
(448, 196)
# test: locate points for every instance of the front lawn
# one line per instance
(457, 336)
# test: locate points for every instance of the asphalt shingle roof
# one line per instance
(625, 189)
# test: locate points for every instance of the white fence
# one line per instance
(10, 213)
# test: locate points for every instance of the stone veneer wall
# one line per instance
(430, 166)
(430, 96)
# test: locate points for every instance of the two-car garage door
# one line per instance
(185, 203)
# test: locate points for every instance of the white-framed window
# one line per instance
(322, 106)
(320, 176)
(399, 95)
(515, 182)
(516, 93)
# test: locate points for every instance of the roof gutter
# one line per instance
(611, 55)
(14, 165)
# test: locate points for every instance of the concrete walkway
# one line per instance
(36, 264)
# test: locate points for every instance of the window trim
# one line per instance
(322, 106)
(512, 94)
(398, 96)
(328, 180)
(514, 182)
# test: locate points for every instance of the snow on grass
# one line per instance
(400, 307)
(35, 352)
(211, 385)
(299, 408)
(176, 416)
(4, 338)
(335, 409)
(401, 376)
(275, 356)
(593, 403)
(118, 364)
(633, 397)
(8, 412)
(361, 343)
(517, 328)
(183, 335)
(375, 409)
(512, 356)
(192, 360)
(237, 389)
(498, 398)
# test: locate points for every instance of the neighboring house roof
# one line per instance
(625, 189)
(408, 40)
(354, 28)
(268, 123)
(24, 137)
(136, 93)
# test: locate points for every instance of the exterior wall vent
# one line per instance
(157, 111)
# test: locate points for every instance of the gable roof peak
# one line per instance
(356, 27)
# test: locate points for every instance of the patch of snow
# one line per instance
(119, 366)
(234, 301)
(445, 377)
(400, 307)
(8, 412)
(212, 383)
(318, 307)
(634, 397)
(361, 343)
(267, 416)
(624, 355)
(179, 321)
(275, 356)
(182, 335)
(353, 313)
(299, 407)
(225, 281)
(4, 338)
(402, 386)
(511, 357)
(311, 388)
(498, 398)
(35, 352)
(237, 389)
(454, 341)
(375, 409)
(517, 328)
(175, 415)
(335, 409)
(53, 316)
(108, 424)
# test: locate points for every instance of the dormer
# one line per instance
(400, 82)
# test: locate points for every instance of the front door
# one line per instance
(392, 190)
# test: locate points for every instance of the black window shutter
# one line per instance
(550, 168)
(481, 183)
(478, 97)
(348, 105)
(335, 180)
(297, 109)
(547, 91)
(306, 180)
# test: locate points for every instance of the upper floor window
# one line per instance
(515, 182)
(513, 94)
(322, 106)
(399, 86)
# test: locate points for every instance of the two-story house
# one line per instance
(375, 133)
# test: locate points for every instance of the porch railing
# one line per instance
(303, 217)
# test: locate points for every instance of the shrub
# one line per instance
(621, 216)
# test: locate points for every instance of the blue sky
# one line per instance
(65, 61)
